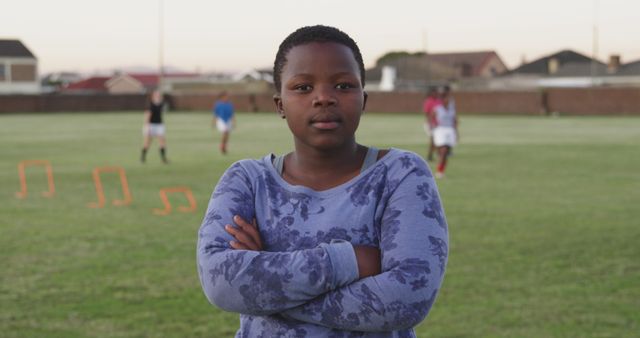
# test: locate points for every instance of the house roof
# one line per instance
(436, 66)
(14, 48)
(541, 65)
(100, 83)
(413, 67)
(573, 69)
(96, 83)
(631, 68)
(147, 80)
(254, 75)
(455, 60)
(151, 80)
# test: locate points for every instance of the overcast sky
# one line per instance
(233, 35)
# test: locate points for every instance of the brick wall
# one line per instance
(241, 102)
(394, 102)
(580, 101)
(71, 103)
(594, 101)
(516, 103)
(467, 102)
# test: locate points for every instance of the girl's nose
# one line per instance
(324, 97)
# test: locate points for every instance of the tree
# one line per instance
(394, 55)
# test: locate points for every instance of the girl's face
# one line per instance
(156, 97)
(445, 98)
(321, 96)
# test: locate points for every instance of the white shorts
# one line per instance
(444, 136)
(224, 126)
(153, 129)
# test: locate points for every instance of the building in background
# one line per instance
(418, 71)
(252, 81)
(91, 85)
(569, 69)
(126, 83)
(482, 64)
(18, 69)
(55, 81)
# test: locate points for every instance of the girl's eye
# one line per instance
(344, 86)
(302, 88)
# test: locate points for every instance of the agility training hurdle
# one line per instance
(23, 178)
(127, 198)
(167, 205)
(100, 191)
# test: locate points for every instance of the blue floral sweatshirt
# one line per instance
(305, 282)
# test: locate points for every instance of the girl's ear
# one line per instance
(364, 103)
(279, 108)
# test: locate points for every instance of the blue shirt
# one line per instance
(305, 282)
(223, 110)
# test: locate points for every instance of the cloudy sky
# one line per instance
(233, 35)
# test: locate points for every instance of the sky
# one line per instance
(91, 36)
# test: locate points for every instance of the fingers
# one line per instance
(247, 235)
(250, 229)
(238, 246)
(257, 239)
(242, 237)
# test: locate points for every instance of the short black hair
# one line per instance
(309, 34)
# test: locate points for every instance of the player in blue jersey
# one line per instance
(224, 119)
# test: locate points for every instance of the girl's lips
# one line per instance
(325, 125)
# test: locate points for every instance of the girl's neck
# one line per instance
(323, 169)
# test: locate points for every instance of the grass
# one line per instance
(543, 216)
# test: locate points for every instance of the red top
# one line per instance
(428, 108)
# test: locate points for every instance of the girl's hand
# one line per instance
(246, 235)
(368, 258)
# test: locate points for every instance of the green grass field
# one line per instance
(544, 218)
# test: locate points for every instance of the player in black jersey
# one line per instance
(153, 126)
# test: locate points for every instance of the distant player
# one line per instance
(445, 133)
(446, 91)
(153, 126)
(224, 119)
(430, 103)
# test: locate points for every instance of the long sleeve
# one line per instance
(262, 283)
(414, 247)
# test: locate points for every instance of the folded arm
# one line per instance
(259, 282)
(414, 250)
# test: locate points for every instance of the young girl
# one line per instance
(153, 126)
(334, 239)
(224, 119)
(445, 133)
(432, 101)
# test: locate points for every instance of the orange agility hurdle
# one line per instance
(23, 178)
(167, 205)
(98, 182)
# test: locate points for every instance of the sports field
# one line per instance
(544, 219)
